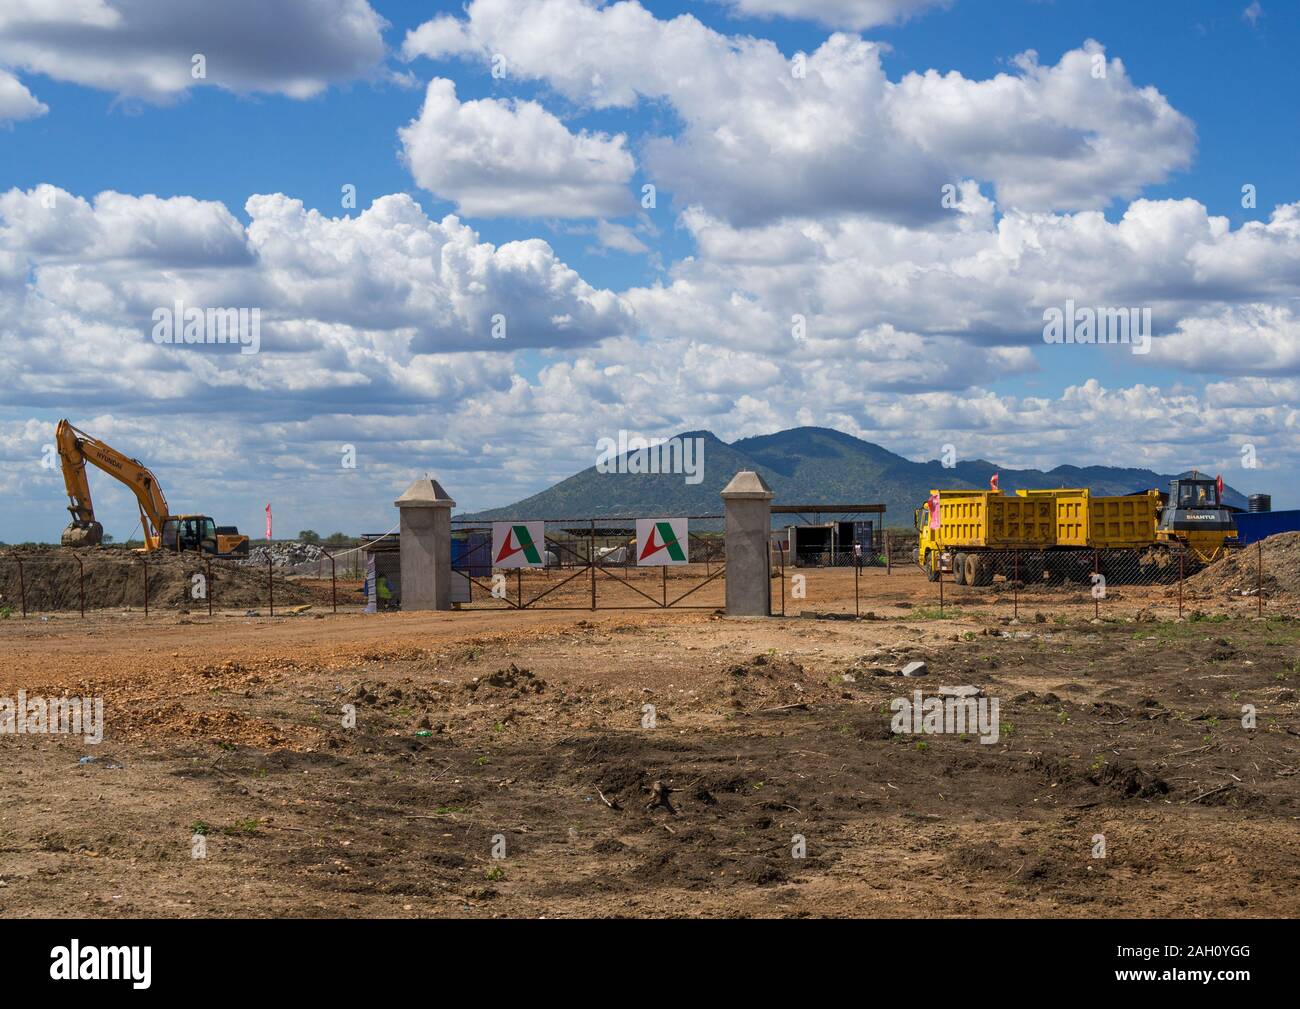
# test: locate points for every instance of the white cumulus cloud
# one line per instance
(766, 134)
(16, 102)
(502, 158)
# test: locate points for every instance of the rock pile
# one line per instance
(298, 558)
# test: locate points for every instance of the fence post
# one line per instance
(81, 584)
(1096, 569)
(940, 560)
(1182, 560)
(22, 586)
(1259, 576)
(889, 555)
(1015, 585)
(591, 560)
(145, 558)
(857, 571)
(334, 585)
(782, 549)
(208, 562)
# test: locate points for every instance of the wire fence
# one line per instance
(597, 568)
(189, 581)
(1160, 582)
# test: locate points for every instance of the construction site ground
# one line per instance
(526, 733)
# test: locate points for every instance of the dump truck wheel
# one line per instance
(931, 568)
(959, 569)
(973, 567)
(984, 571)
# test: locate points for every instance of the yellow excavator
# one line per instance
(161, 529)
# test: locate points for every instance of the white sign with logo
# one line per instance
(661, 542)
(518, 544)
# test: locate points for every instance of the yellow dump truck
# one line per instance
(1030, 535)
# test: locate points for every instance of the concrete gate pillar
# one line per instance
(748, 503)
(425, 511)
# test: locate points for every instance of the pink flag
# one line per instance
(933, 506)
(268, 520)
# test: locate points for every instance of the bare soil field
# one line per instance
(527, 734)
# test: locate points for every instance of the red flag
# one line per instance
(993, 482)
(268, 520)
(1218, 485)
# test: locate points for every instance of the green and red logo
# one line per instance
(515, 544)
(661, 541)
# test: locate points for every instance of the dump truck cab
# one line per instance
(927, 545)
(1195, 516)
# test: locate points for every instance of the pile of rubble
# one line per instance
(1238, 574)
(295, 558)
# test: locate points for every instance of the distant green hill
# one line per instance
(808, 465)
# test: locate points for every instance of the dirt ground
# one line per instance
(527, 734)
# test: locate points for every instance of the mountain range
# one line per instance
(810, 465)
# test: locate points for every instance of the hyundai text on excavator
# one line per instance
(161, 529)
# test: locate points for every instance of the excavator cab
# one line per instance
(201, 534)
(190, 532)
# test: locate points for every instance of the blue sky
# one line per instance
(754, 221)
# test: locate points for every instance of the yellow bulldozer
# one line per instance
(161, 529)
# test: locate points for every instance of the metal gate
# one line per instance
(589, 563)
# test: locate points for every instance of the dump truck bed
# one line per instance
(1042, 519)
(1102, 523)
(988, 519)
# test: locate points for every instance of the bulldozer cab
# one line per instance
(1194, 493)
(190, 532)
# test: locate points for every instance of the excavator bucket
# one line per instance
(89, 535)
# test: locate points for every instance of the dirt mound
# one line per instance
(115, 578)
(1238, 573)
(769, 680)
(519, 681)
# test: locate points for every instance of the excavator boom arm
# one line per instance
(76, 448)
